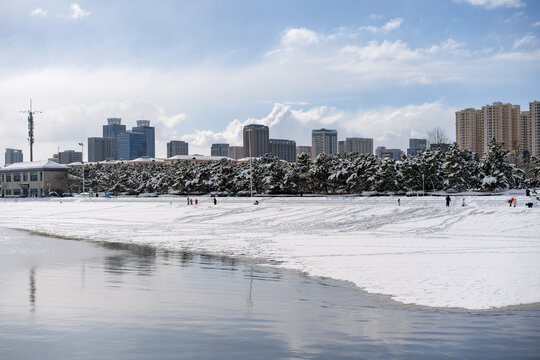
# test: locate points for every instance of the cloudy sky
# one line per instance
(200, 70)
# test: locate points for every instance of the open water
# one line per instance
(66, 299)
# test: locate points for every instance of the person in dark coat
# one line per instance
(448, 200)
(215, 201)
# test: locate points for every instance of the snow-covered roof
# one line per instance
(246, 159)
(145, 159)
(197, 158)
(35, 165)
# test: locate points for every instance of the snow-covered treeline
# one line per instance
(452, 170)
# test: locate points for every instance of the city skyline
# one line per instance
(200, 72)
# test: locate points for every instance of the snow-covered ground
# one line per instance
(479, 256)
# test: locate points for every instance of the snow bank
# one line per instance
(479, 256)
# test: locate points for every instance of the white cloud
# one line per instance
(77, 12)
(536, 24)
(39, 12)
(299, 36)
(527, 39)
(389, 26)
(392, 24)
(492, 4)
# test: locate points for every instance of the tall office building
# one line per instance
(131, 145)
(112, 130)
(415, 146)
(323, 141)
(236, 152)
(69, 156)
(100, 148)
(177, 147)
(257, 137)
(341, 146)
(502, 122)
(382, 151)
(283, 149)
(359, 145)
(13, 156)
(143, 126)
(534, 127)
(303, 150)
(219, 150)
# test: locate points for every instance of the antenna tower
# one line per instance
(31, 128)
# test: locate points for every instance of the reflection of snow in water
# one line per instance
(477, 256)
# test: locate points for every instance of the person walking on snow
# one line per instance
(215, 201)
(448, 200)
(463, 202)
(188, 200)
(398, 202)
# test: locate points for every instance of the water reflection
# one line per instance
(33, 289)
(142, 302)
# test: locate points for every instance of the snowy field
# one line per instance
(480, 256)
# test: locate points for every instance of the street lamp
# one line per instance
(82, 157)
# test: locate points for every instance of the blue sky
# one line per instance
(200, 70)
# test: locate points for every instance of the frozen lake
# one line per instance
(87, 300)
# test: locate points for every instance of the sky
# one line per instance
(200, 70)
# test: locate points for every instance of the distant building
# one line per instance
(441, 146)
(69, 156)
(283, 149)
(219, 150)
(131, 145)
(303, 150)
(177, 147)
(415, 146)
(33, 179)
(236, 152)
(143, 126)
(112, 130)
(323, 141)
(100, 148)
(256, 140)
(341, 147)
(358, 145)
(534, 128)
(13, 156)
(382, 151)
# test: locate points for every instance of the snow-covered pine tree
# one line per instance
(457, 169)
(498, 173)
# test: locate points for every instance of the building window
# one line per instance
(33, 176)
(16, 177)
(16, 192)
(33, 192)
(41, 176)
(8, 178)
(8, 192)
(25, 176)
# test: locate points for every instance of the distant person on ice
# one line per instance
(463, 202)
(398, 202)
(448, 200)
(215, 201)
(188, 200)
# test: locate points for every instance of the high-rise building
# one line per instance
(131, 145)
(219, 150)
(416, 145)
(236, 152)
(100, 149)
(502, 122)
(143, 126)
(69, 156)
(303, 150)
(283, 149)
(470, 130)
(341, 146)
(323, 141)
(359, 145)
(112, 130)
(382, 151)
(256, 140)
(177, 147)
(534, 128)
(13, 156)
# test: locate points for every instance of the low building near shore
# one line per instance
(34, 179)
